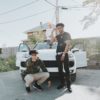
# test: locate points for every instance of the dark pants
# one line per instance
(60, 65)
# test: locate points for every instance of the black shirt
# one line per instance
(61, 38)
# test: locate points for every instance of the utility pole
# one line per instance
(57, 12)
(57, 7)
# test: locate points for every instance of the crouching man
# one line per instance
(36, 72)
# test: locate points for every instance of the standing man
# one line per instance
(64, 44)
(33, 72)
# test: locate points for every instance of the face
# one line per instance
(34, 57)
(60, 29)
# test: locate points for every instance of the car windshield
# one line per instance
(45, 45)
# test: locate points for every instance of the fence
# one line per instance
(7, 52)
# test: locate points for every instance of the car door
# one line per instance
(22, 54)
(81, 58)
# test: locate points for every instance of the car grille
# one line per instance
(50, 64)
(54, 63)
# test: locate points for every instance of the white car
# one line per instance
(77, 58)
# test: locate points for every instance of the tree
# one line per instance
(93, 16)
(32, 39)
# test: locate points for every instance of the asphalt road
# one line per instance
(86, 87)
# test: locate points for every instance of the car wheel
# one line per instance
(73, 77)
(22, 76)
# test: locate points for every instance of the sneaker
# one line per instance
(28, 89)
(69, 90)
(60, 86)
(35, 85)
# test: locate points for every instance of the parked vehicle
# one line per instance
(47, 53)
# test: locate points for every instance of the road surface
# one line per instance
(86, 87)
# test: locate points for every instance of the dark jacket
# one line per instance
(34, 67)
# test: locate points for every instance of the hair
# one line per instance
(33, 52)
(60, 24)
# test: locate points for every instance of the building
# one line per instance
(37, 33)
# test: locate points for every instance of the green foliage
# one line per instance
(11, 62)
(32, 39)
(95, 57)
(77, 41)
(86, 2)
(90, 19)
(7, 64)
(37, 37)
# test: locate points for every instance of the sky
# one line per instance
(12, 32)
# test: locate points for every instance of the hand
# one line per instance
(49, 84)
(62, 57)
(54, 29)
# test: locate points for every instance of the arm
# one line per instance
(68, 43)
(28, 67)
(68, 47)
(53, 38)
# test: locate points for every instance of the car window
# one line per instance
(23, 48)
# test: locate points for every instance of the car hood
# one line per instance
(48, 54)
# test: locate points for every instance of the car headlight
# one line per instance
(70, 56)
(71, 63)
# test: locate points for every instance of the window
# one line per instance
(23, 48)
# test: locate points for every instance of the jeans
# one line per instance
(60, 65)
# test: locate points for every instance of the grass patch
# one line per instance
(7, 64)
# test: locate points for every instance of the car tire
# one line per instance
(73, 77)
(22, 76)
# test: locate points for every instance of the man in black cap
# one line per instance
(64, 44)
(33, 72)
